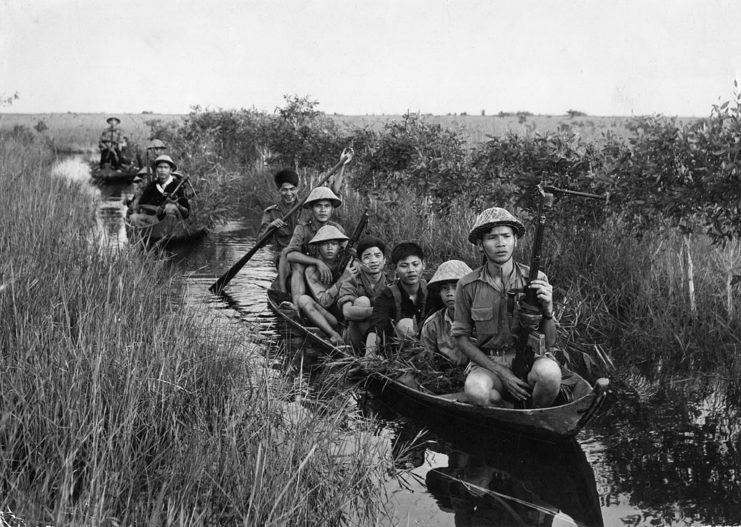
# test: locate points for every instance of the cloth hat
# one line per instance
(142, 171)
(450, 271)
(286, 176)
(113, 118)
(491, 218)
(326, 233)
(322, 193)
(368, 242)
(156, 143)
(166, 159)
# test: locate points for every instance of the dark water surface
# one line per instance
(658, 456)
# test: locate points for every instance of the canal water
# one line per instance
(660, 455)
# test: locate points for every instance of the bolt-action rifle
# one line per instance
(346, 254)
(530, 340)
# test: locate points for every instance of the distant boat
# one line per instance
(167, 232)
(108, 175)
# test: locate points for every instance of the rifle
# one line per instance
(346, 255)
(531, 341)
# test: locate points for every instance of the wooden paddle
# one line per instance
(218, 286)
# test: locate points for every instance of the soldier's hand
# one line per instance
(325, 273)
(278, 223)
(544, 291)
(517, 388)
(347, 155)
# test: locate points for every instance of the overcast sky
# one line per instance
(602, 57)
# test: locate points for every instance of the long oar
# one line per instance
(220, 284)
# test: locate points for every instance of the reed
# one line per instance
(119, 407)
(78, 133)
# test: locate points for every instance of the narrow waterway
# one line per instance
(659, 456)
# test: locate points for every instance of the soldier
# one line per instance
(287, 182)
(483, 309)
(162, 197)
(110, 143)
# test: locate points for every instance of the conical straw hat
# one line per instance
(326, 233)
(452, 270)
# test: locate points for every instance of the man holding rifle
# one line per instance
(485, 308)
(319, 305)
(163, 197)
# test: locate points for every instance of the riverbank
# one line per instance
(120, 407)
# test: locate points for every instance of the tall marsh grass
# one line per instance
(118, 407)
(79, 132)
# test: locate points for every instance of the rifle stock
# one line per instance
(346, 256)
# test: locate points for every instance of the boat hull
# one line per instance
(168, 231)
(552, 424)
(107, 175)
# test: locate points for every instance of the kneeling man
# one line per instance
(482, 309)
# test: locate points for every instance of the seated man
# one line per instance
(435, 336)
(166, 196)
(110, 144)
(401, 307)
(276, 216)
(300, 253)
(319, 305)
(481, 305)
(358, 294)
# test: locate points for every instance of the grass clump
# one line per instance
(119, 407)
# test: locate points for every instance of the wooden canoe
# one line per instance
(552, 424)
(108, 175)
(169, 231)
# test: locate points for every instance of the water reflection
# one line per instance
(673, 459)
(499, 480)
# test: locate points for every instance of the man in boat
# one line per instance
(358, 294)
(287, 182)
(401, 307)
(435, 336)
(300, 253)
(166, 196)
(110, 143)
(484, 306)
(320, 305)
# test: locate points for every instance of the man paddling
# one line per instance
(483, 308)
(287, 182)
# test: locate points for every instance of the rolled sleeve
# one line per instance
(462, 324)
(348, 293)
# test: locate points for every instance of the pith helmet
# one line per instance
(450, 271)
(322, 193)
(326, 233)
(113, 118)
(156, 143)
(491, 218)
(166, 159)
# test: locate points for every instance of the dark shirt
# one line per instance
(154, 195)
(384, 317)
